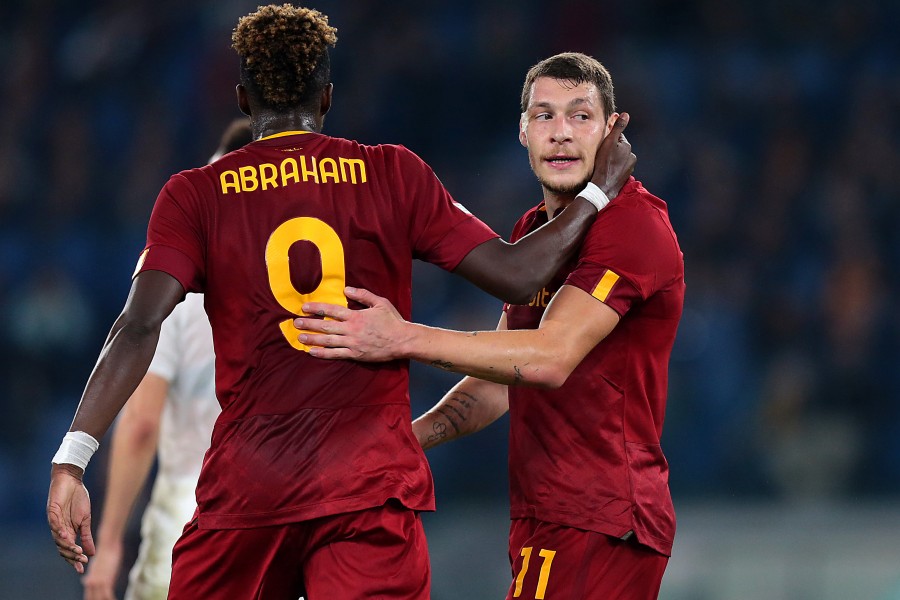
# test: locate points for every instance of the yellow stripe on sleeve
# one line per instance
(601, 292)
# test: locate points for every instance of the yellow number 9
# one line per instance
(330, 289)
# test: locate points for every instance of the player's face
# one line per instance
(562, 129)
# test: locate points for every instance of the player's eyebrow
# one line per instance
(573, 103)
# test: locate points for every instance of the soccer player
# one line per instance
(313, 482)
(582, 367)
(172, 411)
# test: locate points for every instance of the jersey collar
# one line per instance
(282, 134)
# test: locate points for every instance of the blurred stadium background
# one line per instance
(771, 127)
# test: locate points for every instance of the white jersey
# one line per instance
(185, 359)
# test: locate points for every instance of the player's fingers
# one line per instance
(363, 296)
(75, 559)
(331, 353)
(622, 122)
(323, 309)
(63, 535)
(319, 326)
(69, 550)
(87, 538)
(321, 340)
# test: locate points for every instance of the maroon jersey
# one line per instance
(288, 219)
(588, 454)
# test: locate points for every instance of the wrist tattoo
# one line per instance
(442, 364)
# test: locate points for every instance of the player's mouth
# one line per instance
(561, 161)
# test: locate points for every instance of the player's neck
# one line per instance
(555, 202)
(269, 123)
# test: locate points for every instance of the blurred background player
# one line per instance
(585, 361)
(170, 415)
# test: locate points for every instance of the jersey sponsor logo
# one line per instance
(302, 169)
(542, 298)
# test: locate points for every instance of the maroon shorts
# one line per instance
(562, 563)
(374, 553)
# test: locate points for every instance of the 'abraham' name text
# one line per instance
(291, 171)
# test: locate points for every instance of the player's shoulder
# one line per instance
(189, 182)
(634, 196)
(634, 204)
(635, 214)
(370, 149)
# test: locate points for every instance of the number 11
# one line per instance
(547, 555)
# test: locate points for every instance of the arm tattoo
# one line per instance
(442, 364)
(440, 432)
(518, 377)
(463, 399)
(449, 420)
(460, 403)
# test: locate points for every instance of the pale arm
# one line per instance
(132, 454)
(573, 324)
(470, 406)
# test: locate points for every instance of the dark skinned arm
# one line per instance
(515, 272)
(127, 352)
(123, 361)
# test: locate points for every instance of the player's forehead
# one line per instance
(549, 92)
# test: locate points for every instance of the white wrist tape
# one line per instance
(594, 195)
(77, 448)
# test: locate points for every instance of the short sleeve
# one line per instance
(175, 240)
(441, 230)
(624, 257)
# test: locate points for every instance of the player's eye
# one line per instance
(581, 117)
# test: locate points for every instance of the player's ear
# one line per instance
(523, 121)
(243, 100)
(611, 121)
(325, 102)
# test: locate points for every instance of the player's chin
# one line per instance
(564, 185)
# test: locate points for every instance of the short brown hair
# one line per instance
(284, 54)
(577, 68)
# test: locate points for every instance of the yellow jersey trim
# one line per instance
(601, 292)
(281, 134)
(140, 262)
